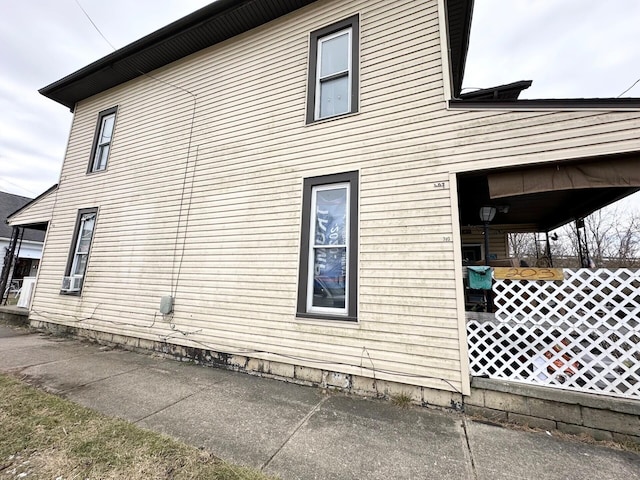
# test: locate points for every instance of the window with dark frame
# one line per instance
(328, 280)
(333, 70)
(102, 140)
(79, 251)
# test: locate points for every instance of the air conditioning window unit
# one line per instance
(71, 284)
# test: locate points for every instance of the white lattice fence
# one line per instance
(580, 334)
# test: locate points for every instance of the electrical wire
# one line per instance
(176, 273)
(633, 85)
(94, 25)
(18, 186)
(243, 352)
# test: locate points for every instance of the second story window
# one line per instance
(102, 140)
(333, 70)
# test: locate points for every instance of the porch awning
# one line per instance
(609, 173)
(546, 196)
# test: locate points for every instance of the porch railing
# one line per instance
(580, 334)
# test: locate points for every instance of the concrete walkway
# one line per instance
(297, 432)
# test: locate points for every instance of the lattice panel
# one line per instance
(580, 334)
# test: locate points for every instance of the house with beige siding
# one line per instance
(286, 188)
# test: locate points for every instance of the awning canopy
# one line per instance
(544, 197)
(609, 173)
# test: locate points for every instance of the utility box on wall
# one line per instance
(166, 304)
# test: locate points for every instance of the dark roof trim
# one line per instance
(549, 104)
(510, 91)
(43, 194)
(219, 21)
(459, 14)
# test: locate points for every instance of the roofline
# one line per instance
(123, 61)
(458, 36)
(548, 104)
(466, 36)
(513, 86)
(46, 192)
(137, 46)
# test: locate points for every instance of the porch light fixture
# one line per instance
(486, 215)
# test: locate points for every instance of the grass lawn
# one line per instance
(44, 436)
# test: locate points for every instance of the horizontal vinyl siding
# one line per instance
(40, 211)
(202, 196)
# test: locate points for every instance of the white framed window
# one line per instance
(333, 89)
(79, 252)
(333, 70)
(328, 260)
(102, 140)
(327, 284)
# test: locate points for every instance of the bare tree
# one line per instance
(522, 245)
(612, 238)
(532, 248)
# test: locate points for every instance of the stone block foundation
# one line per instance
(600, 417)
(303, 375)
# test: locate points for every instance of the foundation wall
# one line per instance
(600, 417)
(603, 418)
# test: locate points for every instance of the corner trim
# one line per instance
(445, 50)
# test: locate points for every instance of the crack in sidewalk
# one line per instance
(295, 430)
(468, 442)
(97, 380)
(170, 405)
(21, 368)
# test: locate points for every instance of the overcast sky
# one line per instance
(569, 48)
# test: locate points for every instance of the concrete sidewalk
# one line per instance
(297, 432)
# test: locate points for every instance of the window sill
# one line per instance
(323, 317)
(70, 294)
(95, 172)
(330, 119)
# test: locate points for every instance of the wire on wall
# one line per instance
(177, 258)
(53, 317)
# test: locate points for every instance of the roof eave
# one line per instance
(181, 38)
(549, 104)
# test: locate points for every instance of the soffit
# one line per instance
(208, 26)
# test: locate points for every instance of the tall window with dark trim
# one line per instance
(333, 70)
(102, 140)
(79, 251)
(328, 281)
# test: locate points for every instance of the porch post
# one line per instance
(8, 264)
(486, 243)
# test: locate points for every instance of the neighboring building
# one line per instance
(29, 249)
(288, 186)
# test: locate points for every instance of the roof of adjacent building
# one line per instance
(510, 91)
(9, 203)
